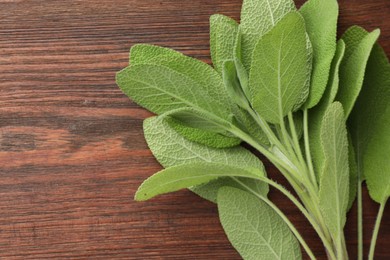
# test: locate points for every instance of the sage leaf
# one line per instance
(369, 127)
(376, 165)
(305, 94)
(186, 175)
(233, 86)
(199, 72)
(161, 89)
(203, 137)
(209, 191)
(316, 114)
(334, 184)
(170, 149)
(255, 230)
(353, 66)
(242, 73)
(321, 25)
(195, 118)
(352, 38)
(223, 34)
(238, 85)
(279, 69)
(257, 18)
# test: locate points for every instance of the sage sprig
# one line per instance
(317, 108)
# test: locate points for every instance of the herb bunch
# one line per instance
(317, 108)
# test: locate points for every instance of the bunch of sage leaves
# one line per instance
(318, 108)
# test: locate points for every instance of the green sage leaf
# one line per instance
(376, 162)
(316, 114)
(233, 86)
(199, 72)
(352, 38)
(309, 67)
(209, 191)
(170, 149)
(257, 18)
(279, 71)
(369, 126)
(165, 144)
(321, 25)
(199, 119)
(334, 184)
(203, 137)
(242, 73)
(223, 34)
(186, 175)
(161, 89)
(255, 230)
(353, 66)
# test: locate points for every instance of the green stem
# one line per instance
(287, 140)
(344, 247)
(248, 139)
(340, 246)
(376, 229)
(273, 139)
(267, 130)
(303, 166)
(294, 134)
(360, 219)
(307, 146)
(283, 216)
(310, 200)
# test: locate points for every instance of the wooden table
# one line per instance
(72, 151)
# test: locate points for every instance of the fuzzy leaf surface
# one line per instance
(170, 149)
(334, 184)
(187, 175)
(242, 72)
(233, 85)
(376, 162)
(353, 67)
(369, 125)
(253, 228)
(317, 113)
(279, 71)
(223, 34)
(161, 89)
(309, 68)
(321, 25)
(199, 119)
(207, 138)
(209, 191)
(257, 18)
(199, 72)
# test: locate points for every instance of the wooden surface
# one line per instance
(72, 151)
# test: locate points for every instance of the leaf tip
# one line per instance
(140, 195)
(376, 32)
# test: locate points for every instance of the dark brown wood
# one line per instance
(72, 151)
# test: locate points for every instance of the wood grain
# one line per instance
(72, 151)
